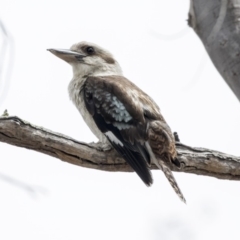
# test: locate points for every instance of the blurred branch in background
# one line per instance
(217, 25)
(169, 37)
(33, 191)
(157, 34)
(17, 132)
(6, 60)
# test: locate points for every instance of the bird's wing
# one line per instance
(113, 104)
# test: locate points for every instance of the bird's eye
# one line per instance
(90, 50)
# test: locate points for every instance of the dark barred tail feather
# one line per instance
(171, 179)
(168, 173)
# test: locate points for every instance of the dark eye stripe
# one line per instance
(90, 50)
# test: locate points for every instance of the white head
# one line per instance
(88, 59)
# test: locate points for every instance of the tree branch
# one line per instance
(18, 132)
(217, 25)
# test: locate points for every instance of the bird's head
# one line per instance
(88, 59)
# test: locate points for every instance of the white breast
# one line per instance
(76, 95)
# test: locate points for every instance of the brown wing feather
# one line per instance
(119, 123)
(119, 106)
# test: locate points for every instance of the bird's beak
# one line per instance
(67, 55)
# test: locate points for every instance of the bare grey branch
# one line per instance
(18, 132)
(217, 25)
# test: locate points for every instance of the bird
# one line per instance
(118, 112)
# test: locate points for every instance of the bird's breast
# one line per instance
(76, 94)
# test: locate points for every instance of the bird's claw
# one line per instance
(176, 137)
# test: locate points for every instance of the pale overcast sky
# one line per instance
(163, 56)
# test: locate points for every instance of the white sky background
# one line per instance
(164, 57)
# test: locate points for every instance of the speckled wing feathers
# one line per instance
(133, 124)
(120, 124)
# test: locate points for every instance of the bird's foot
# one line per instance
(176, 163)
(104, 147)
(176, 137)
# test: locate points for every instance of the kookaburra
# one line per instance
(118, 112)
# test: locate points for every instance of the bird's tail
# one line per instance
(168, 173)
